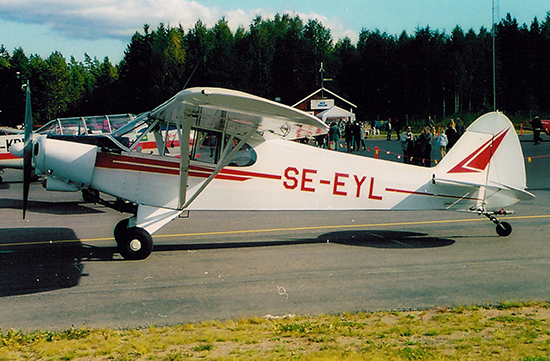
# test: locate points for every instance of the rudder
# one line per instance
(489, 153)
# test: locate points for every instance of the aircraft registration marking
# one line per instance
(304, 181)
(9, 141)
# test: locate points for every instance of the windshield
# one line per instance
(129, 133)
(100, 124)
(205, 145)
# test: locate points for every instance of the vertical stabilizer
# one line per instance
(489, 154)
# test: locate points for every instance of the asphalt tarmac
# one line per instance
(59, 267)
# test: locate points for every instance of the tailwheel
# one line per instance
(133, 243)
(504, 229)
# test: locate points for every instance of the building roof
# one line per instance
(335, 112)
(328, 91)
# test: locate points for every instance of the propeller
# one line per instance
(27, 151)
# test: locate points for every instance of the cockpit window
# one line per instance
(207, 147)
(130, 132)
(101, 124)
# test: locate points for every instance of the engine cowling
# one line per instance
(65, 160)
(53, 184)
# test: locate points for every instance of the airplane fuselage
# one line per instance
(7, 160)
(286, 176)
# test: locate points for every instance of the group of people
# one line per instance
(417, 150)
(394, 125)
(354, 135)
(448, 138)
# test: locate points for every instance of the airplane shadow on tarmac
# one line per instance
(27, 267)
(59, 208)
(57, 259)
(372, 238)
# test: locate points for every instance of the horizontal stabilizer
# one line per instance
(520, 194)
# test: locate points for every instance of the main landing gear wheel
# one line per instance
(133, 243)
(504, 229)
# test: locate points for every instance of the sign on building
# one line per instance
(317, 104)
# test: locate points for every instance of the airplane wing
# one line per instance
(9, 131)
(234, 109)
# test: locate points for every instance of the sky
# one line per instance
(103, 28)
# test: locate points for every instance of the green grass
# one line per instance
(508, 331)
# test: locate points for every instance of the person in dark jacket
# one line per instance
(452, 137)
(537, 127)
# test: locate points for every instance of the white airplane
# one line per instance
(91, 125)
(240, 156)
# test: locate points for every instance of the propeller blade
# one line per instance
(27, 151)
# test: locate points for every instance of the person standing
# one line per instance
(362, 145)
(442, 144)
(451, 135)
(397, 125)
(348, 133)
(459, 128)
(388, 129)
(537, 127)
(407, 144)
(425, 151)
(430, 123)
(356, 130)
(334, 136)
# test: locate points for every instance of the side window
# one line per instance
(207, 147)
(244, 157)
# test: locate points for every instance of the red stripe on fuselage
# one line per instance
(113, 161)
(8, 156)
(164, 166)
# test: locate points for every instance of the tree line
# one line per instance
(406, 76)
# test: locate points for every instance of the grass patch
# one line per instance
(512, 331)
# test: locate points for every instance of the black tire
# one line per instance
(135, 243)
(504, 229)
(120, 229)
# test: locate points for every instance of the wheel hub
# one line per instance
(135, 245)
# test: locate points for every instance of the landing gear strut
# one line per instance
(134, 243)
(504, 229)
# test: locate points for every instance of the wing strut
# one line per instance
(220, 165)
(183, 134)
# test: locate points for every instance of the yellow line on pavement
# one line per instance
(267, 230)
(343, 226)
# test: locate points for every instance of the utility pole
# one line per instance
(493, 33)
